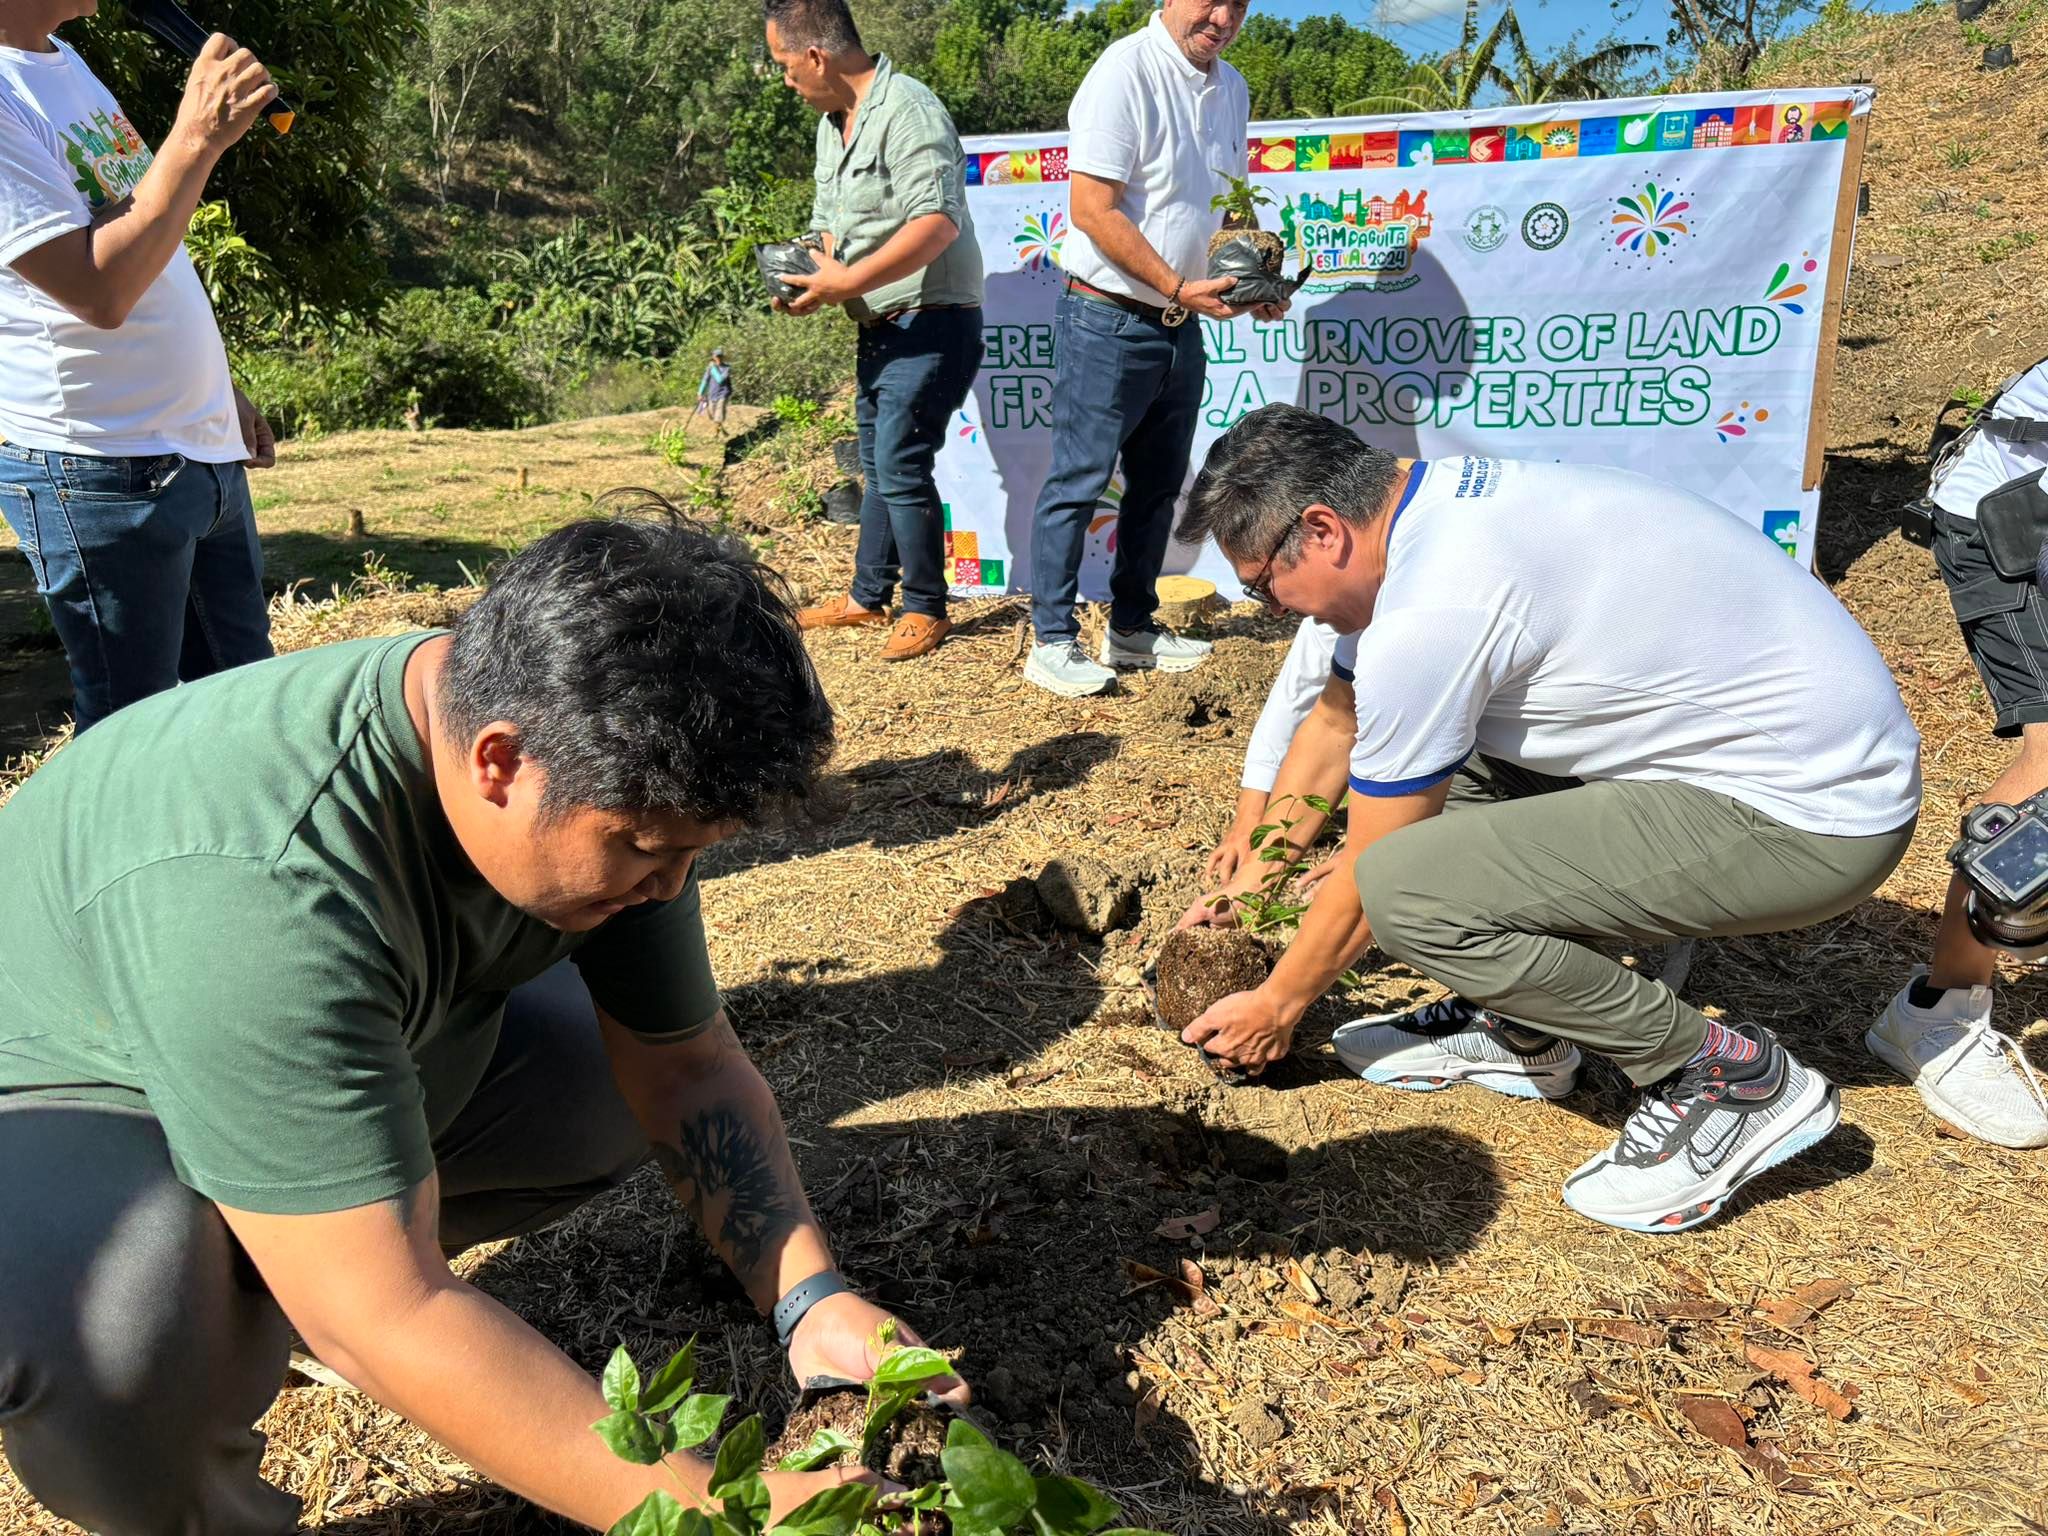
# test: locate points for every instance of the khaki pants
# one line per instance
(1491, 898)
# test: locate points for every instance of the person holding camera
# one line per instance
(123, 441)
(1985, 516)
(898, 254)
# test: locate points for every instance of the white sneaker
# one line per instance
(1064, 668)
(1703, 1133)
(1966, 1072)
(1451, 1041)
(1160, 648)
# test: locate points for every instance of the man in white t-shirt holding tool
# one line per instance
(1718, 752)
(1157, 131)
(1988, 511)
(122, 466)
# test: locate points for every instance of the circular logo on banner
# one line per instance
(1486, 230)
(1544, 227)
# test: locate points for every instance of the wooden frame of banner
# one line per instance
(1831, 305)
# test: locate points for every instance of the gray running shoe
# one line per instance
(1153, 647)
(1064, 668)
(1703, 1133)
(1451, 1041)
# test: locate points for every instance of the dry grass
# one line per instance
(991, 1126)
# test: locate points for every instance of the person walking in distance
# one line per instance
(714, 392)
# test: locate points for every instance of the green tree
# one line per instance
(305, 202)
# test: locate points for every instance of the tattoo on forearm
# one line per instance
(724, 1173)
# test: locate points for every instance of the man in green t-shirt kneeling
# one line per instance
(287, 1008)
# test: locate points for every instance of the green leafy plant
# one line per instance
(1241, 204)
(985, 1490)
(1999, 247)
(1268, 905)
(796, 411)
(671, 445)
(1960, 157)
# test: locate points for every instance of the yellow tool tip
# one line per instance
(282, 121)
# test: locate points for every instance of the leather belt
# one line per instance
(1129, 306)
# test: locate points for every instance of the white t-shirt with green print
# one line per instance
(158, 383)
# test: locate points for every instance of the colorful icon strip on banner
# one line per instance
(1563, 139)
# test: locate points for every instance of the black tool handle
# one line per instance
(166, 21)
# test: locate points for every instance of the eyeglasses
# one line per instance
(1259, 588)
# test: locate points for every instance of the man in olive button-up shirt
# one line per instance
(900, 257)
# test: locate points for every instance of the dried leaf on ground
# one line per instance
(1799, 1373)
(1397, 1520)
(1590, 1400)
(1299, 1279)
(1180, 1228)
(1795, 1311)
(1717, 1420)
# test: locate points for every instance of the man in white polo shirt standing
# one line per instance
(122, 465)
(1720, 751)
(1157, 129)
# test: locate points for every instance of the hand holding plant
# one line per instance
(1257, 896)
(984, 1492)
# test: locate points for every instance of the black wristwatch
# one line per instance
(803, 1296)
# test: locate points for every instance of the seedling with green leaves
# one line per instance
(1268, 904)
(985, 1490)
(1240, 205)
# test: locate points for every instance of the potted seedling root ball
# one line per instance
(1242, 250)
(953, 1479)
(1199, 967)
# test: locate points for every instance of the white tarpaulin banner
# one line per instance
(1638, 283)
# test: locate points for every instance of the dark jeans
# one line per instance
(137, 1343)
(1126, 385)
(913, 373)
(150, 567)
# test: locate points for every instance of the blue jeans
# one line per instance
(913, 372)
(1126, 385)
(150, 567)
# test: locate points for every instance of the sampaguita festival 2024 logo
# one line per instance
(1362, 240)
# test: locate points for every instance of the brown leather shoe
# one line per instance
(839, 613)
(915, 634)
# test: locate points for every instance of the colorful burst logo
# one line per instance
(1737, 423)
(1649, 220)
(1039, 241)
(966, 427)
(1779, 291)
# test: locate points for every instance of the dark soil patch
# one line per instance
(1199, 966)
(908, 1450)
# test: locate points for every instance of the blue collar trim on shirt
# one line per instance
(1415, 474)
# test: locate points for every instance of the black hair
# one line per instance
(1274, 462)
(826, 25)
(648, 664)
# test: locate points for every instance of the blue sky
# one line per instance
(1431, 26)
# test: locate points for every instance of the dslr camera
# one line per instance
(2003, 857)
